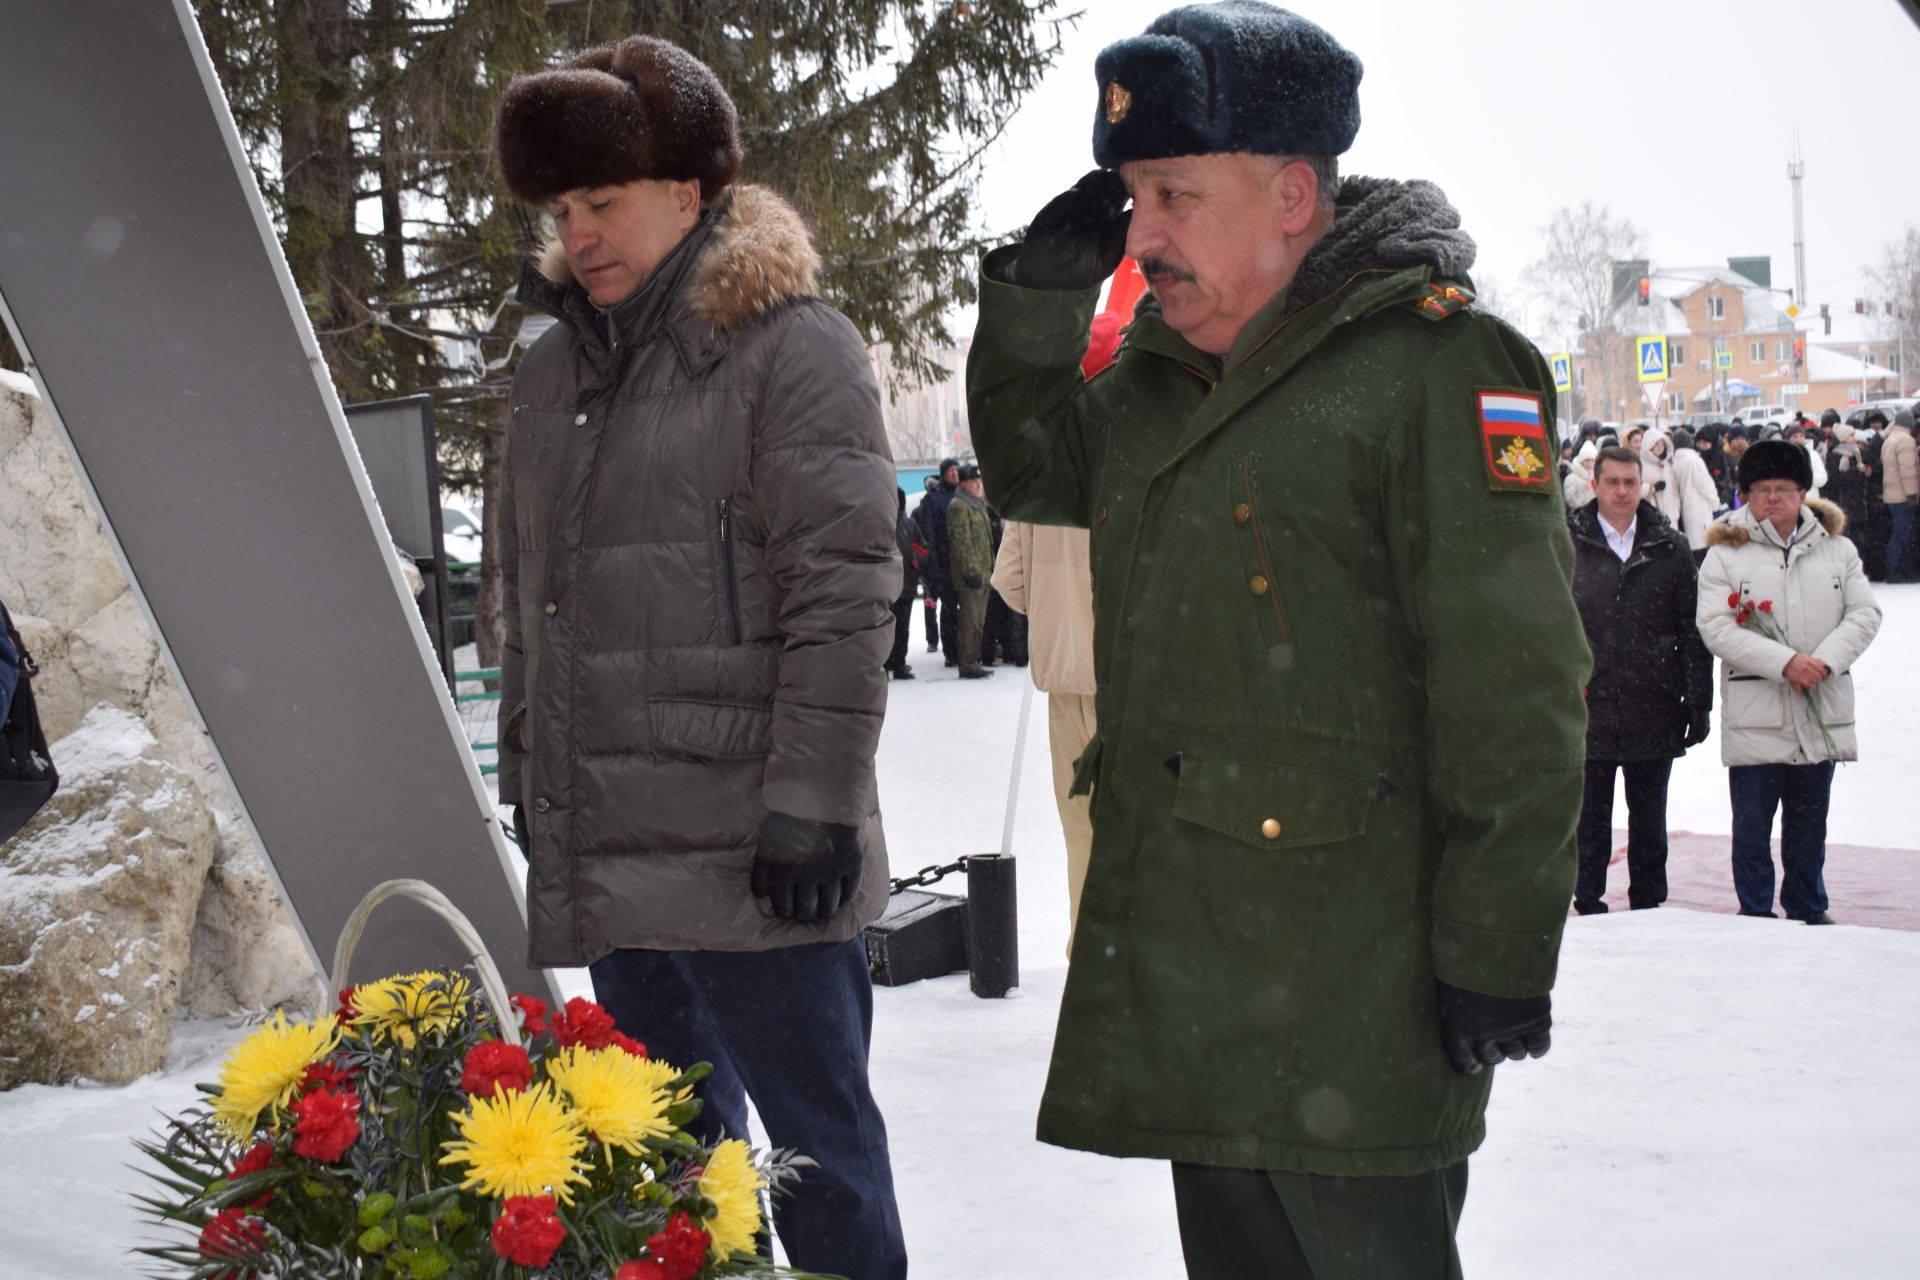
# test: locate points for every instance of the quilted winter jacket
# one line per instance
(1822, 605)
(699, 571)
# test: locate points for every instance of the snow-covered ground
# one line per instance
(1725, 1097)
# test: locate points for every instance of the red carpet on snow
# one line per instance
(1879, 888)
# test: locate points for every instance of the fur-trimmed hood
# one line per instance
(760, 255)
(1735, 529)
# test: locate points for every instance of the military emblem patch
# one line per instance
(1514, 441)
(1118, 100)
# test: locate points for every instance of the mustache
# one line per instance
(1153, 268)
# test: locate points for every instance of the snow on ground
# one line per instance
(1726, 1098)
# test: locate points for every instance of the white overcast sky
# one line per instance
(1679, 114)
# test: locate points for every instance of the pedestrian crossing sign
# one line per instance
(1723, 359)
(1562, 371)
(1653, 358)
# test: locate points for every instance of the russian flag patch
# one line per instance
(1514, 440)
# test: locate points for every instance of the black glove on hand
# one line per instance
(806, 870)
(1478, 1031)
(973, 582)
(1078, 239)
(1698, 723)
(520, 834)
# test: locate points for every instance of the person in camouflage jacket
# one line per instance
(969, 565)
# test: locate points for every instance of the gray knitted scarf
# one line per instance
(1381, 223)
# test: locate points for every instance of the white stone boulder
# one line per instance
(98, 895)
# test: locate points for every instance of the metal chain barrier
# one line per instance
(929, 875)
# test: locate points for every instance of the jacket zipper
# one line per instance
(726, 556)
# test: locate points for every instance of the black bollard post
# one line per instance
(993, 935)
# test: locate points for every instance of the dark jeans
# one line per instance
(902, 632)
(932, 605)
(1646, 833)
(789, 1028)
(1251, 1224)
(1800, 792)
(1899, 542)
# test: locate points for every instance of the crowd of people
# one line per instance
(1868, 471)
(948, 545)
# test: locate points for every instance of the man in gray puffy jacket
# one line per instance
(699, 571)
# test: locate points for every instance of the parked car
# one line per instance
(460, 534)
(1857, 416)
(1763, 415)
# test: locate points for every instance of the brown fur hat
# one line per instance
(642, 108)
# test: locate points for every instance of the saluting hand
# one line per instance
(1078, 238)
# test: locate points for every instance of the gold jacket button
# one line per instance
(1270, 828)
(1242, 513)
(553, 607)
(1258, 585)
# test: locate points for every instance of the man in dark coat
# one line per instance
(699, 569)
(932, 516)
(1651, 692)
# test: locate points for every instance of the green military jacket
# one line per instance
(969, 540)
(1339, 694)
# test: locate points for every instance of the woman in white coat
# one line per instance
(1786, 682)
(1679, 486)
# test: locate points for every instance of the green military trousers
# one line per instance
(1252, 1224)
(973, 625)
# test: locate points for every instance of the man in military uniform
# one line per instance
(969, 565)
(1338, 765)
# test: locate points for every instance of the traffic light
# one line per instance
(1646, 289)
(1799, 351)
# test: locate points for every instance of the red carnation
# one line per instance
(1742, 616)
(346, 1012)
(1733, 601)
(256, 1160)
(533, 1014)
(324, 1075)
(643, 1269)
(1766, 606)
(583, 1023)
(327, 1124)
(495, 1062)
(232, 1236)
(680, 1249)
(624, 1041)
(527, 1232)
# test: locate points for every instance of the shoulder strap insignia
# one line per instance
(1442, 300)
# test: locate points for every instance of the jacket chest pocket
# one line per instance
(1272, 806)
(1262, 586)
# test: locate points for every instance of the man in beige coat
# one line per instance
(1900, 490)
(1044, 572)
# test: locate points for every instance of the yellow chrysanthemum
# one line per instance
(733, 1184)
(263, 1071)
(404, 1008)
(622, 1100)
(524, 1143)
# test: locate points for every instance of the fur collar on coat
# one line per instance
(1735, 529)
(760, 256)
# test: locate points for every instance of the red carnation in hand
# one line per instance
(495, 1062)
(680, 1249)
(1766, 606)
(1741, 617)
(346, 1012)
(327, 1124)
(583, 1023)
(643, 1269)
(1733, 601)
(527, 1232)
(533, 1014)
(232, 1236)
(324, 1075)
(622, 1040)
(256, 1160)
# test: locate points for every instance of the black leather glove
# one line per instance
(973, 582)
(1078, 238)
(1699, 721)
(1914, 501)
(520, 834)
(1479, 1031)
(806, 870)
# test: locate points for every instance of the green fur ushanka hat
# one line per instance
(1233, 76)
